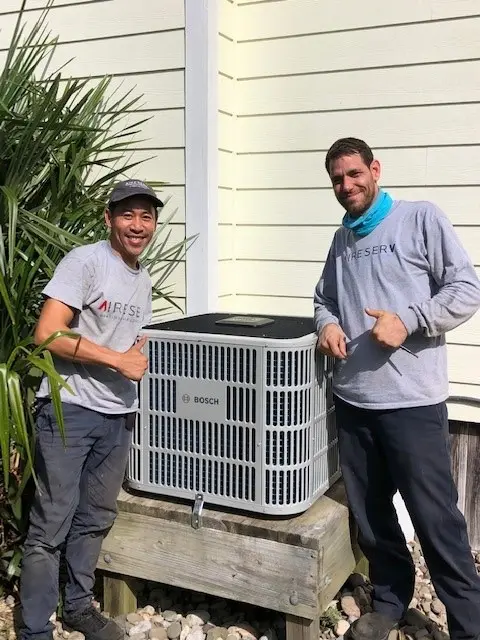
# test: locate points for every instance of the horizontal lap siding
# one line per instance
(437, 41)
(100, 20)
(292, 17)
(401, 76)
(404, 127)
(140, 44)
(318, 205)
(423, 84)
(12, 6)
(452, 166)
(311, 243)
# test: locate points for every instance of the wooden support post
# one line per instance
(118, 594)
(301, 628)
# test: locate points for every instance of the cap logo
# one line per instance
(135, 183)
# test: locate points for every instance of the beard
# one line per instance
(357, 206)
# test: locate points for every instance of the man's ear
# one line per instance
(108, 218)
(376, 170)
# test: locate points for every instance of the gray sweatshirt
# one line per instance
(412, 264)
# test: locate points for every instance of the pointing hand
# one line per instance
(388, 330)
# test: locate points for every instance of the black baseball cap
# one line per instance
(129, 188)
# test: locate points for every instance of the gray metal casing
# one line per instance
(248, 422)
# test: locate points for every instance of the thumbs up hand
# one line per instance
(141, 342)
(388, 330)
(133, 363)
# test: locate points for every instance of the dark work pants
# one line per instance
(408, 449)
(74, 506)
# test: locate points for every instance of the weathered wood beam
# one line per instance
(273, 575)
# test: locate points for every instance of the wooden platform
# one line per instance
(293, 565)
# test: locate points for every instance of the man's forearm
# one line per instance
(325, 296)
(80, 349)
(458, 295)
(324, 316)
(454, 304)
(325, 309)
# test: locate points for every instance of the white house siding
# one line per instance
(141, 44)
(403, 76)
(226, 141)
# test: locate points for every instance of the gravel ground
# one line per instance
(167, 613)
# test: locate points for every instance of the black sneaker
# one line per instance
(93, 625)
(371, 626)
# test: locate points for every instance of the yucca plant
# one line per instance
(63, 144)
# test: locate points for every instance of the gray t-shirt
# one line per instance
(112, 303)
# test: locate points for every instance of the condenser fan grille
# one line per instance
(214, 477)
(205, 362)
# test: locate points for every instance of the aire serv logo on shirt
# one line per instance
(120, 311)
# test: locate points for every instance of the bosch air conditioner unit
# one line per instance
(238, 409)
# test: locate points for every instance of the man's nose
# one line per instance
(136, 224)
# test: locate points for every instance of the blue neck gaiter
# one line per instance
(368, 221)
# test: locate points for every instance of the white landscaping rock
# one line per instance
(196, 634)
(425, 594)
(197, 618)
(341, 628)
(270, 634)
(170, 616)
(437, 606)
(185, 631)
(217, 633)
(174, 630)
(141, 627)
(244, 630)
(349, 607)
(426, 607)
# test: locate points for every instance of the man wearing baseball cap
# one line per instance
(102, 293)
